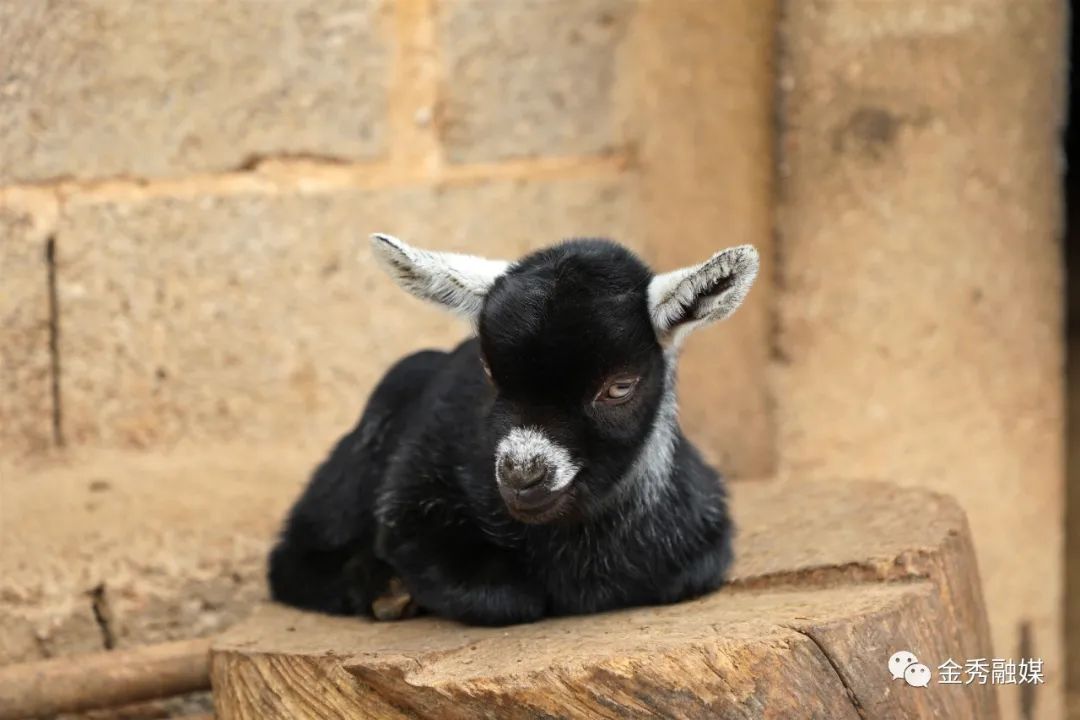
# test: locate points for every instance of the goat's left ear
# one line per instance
(682, 300)
(459, 283)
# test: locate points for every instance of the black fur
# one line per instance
(412, 492)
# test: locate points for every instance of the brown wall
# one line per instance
(210, 200)
(920, 289)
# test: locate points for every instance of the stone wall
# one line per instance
(187, 189)
(919, 293)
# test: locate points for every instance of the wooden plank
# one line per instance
(101, 680)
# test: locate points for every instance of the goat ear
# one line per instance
(457, 282)
(683, 300)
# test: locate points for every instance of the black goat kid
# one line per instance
(538, 469)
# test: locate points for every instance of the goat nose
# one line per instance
(522, 476)
(532, 475)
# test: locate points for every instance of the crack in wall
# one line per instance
(54, 343)
(99, 605)
(855, 702)
(253, 161)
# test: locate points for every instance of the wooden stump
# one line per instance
(830, 581)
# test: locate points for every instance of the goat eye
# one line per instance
(617, 391)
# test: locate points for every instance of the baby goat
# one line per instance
(537, 469)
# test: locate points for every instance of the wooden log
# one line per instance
(101, 680)
(831, 580)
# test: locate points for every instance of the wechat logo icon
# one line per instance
(903, 665)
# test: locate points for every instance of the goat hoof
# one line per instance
(394, 604)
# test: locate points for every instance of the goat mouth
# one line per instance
(539, 513)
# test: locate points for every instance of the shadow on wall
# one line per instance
(1072, 264)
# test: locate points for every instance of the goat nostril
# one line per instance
(521, 476)
(532, 475)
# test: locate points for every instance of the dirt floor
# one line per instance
(102, 549)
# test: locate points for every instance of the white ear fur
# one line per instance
(457, 282)
(683, 300)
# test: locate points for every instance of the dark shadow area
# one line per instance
(1071, 243)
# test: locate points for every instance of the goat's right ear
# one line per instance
(459, 283)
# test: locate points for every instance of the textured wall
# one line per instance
(210, 172)
(26, 403)
(100, 88)
(920, 290)
(530, 77)
(263, 314)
